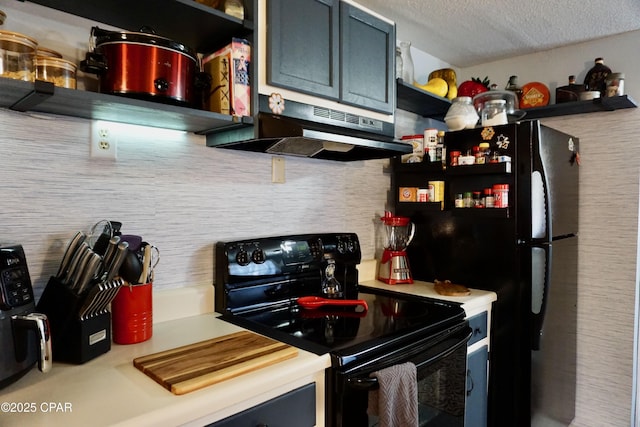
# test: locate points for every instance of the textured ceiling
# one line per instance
(471, 32)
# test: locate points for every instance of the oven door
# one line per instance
(441, 363)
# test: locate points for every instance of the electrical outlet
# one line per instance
(104, 140)
(277, 170)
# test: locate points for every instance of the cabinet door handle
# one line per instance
(470, 384)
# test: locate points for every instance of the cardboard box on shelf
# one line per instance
(237, 56)
(218, 100)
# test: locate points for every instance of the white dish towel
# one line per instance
(395, 403)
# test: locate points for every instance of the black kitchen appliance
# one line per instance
(526, 252)
(258, 282)
(24, 334)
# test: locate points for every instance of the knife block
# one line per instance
(73, 340)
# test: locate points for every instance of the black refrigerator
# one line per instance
(526, 252)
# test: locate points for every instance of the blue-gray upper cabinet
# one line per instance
(333, 50)
(367, 58)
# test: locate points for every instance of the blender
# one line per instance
(394, 265)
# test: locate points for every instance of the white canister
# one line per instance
(494, 113)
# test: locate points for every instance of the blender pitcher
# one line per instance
(394, 265)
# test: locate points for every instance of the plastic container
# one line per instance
(60, 72)
(17, 56)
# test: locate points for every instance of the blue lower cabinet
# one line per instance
(296, 408)
(476, 407)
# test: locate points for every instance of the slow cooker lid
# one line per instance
(104, 37)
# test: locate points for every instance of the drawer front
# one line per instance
(478, 324)
(296, 408)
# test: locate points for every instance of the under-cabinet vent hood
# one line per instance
(320, 133)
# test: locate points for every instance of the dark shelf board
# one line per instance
(420, 102)
(99, 106)
(481, 213)
(197, 26)
(579, 107)
(425, 104)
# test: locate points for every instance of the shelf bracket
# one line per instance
(41, 91)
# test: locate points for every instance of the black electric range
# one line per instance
(258, 282)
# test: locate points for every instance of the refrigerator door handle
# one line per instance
(540, 280)
(540, 209)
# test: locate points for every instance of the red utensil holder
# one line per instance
(132, 314)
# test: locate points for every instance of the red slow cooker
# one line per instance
(143, 65)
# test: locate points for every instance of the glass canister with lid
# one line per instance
(494, 113)
(60, 72)
(462, 114)
(17, 56)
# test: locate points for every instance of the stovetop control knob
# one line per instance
(242, 257)
(258, 256)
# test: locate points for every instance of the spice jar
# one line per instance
(454, 155)
(467, 199)
(488, 198)
(485, 151)
(615, 84)
(477, 199)
(501, 195)
(459, 201)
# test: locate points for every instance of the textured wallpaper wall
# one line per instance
(607, 263)
(183, 197)
(174, 191)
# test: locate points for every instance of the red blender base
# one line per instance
(394, 268)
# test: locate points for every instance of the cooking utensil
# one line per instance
(118, 258)
(146, 264)
(313, 302)
(109, 292)
(107, 259)
(74, 265)
(90, 271)
(142, 65)
(81, 268)
(73, 246)
(131, 268)
(90, 301)
(134, 241)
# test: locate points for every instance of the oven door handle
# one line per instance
(371, 383)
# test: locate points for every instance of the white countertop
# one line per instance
(472, 304)
(109, 390)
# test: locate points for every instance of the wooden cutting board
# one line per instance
(449, 289)
(191, 367)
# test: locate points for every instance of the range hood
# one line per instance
(320, 133)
